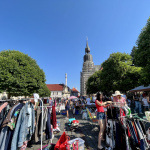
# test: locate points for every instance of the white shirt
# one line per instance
(145, 102)
(88, 101)
(94, 99)
(36, 97)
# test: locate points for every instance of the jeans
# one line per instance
(100, 115)
(138, 105)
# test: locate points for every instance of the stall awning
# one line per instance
(141, 88)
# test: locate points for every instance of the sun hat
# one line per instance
(117, 93)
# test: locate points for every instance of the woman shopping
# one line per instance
(118, 99)
(101, 116)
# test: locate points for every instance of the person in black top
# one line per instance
(137, 103)
(67, 107)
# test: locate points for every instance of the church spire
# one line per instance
(87, 49)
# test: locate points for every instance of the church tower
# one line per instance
(87, 70)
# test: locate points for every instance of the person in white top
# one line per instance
(94, 98)
(88, 100)
(145, 102)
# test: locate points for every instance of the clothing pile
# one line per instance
(123, 131)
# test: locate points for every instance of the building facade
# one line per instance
(88, 69)
(75, 92)
(59, 90)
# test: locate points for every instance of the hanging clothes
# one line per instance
(3, 106)
(11, 125)
(124, 133)
(37, 117)
(53, 117)
(48, 130)
(22, 132)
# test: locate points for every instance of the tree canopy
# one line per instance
(20, 75)
(142, 53)
(117, 74)
(93, 83)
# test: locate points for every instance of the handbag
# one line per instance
(62, 142)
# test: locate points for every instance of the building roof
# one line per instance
(141, 88)
(75, 90)
(55, 87)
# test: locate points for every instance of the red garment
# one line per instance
(122, 116)
(129, 134)
(54, 117)
(99, 108)
(45, 101)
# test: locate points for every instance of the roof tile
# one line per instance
(55, 87)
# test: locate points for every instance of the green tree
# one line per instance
(142, 54)
(44, 91)
(93, 83)
(117, 74)
(133, 55)
(20, 74)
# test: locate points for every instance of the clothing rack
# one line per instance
(27, 99)
(118, 103)
(137, 117)
(127, 115)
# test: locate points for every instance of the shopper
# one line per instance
(137, 103)
(101, 116)
(67, 107)
(118, 99)
(145, 102)
(88, 100)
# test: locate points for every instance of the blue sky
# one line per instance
(53, 32)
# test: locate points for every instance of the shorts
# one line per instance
(67, 108)
(100, 115)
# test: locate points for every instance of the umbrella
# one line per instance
(72, 97)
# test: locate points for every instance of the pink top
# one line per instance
(122, 100)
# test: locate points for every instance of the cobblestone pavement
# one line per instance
(86, 131)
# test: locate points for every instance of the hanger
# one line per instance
(137, 117)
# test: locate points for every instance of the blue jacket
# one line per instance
(21, 130)
(32, 123)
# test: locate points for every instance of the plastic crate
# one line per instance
(81, 143)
